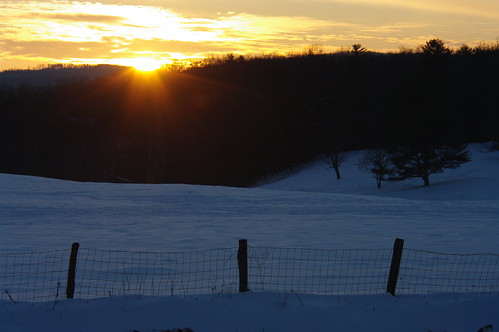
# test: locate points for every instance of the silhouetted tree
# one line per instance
(358, 49)
(483, 48)
(335, 160)
(436, 47)
(423, 161)
(464, 50)
(379, 163)
(313, 50)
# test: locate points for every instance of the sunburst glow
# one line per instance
(145, 64)
(147, 36)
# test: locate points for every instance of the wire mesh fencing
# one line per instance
(34, 276)
(111, 272)
(430, 272)
(46, 276)
(315, 271)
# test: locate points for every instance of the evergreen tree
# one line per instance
(436, 47)
(358, 49)
(423, 161)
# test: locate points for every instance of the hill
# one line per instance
(305, 208)
(457, 214)
(55, 74)
(477, 180)
(235, 121)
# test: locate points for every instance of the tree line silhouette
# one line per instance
(236, 120)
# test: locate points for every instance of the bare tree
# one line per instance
(313, 50)
(377, 162)
(336, 160)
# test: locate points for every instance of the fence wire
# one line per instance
(42, 276)
(430, 272)
(315, 271)
(34, 276)
(110, 272)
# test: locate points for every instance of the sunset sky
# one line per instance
(154, 32)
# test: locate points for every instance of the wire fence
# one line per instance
(430, 272)
(315, 271)
(34, 276)
(110, 272)
(45, 276)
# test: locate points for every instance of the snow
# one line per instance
(304, 208)
(258, 312)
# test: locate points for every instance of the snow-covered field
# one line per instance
(305, 208)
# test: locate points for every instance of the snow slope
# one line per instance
(458, 213)
(476, 180)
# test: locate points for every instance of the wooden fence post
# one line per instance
(398, 247)
(70, 288)
(242, 261)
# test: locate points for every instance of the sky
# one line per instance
(149, 33)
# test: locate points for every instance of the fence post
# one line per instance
(242, 262)
(398, 247)
(70, 288)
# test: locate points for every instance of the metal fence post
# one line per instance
(70, 287)
(398, 247)
(242, 261)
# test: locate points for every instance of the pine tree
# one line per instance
(423, 161)
(436, 47)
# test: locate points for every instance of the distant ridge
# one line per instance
(54, 74)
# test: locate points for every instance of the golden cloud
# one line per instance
(86, 18)
(481, 8)
(88, 31)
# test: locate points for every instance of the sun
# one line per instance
(146, 64)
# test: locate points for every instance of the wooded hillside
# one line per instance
(236, 120)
